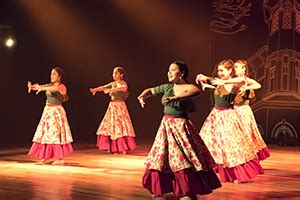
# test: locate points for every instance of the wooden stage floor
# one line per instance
(91, 174)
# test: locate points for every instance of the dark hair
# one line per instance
(228, 64)
(245, 64)
(122, 71)
(61, 73)
(183, 68)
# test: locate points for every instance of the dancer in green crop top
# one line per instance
(223, 130)
(52, 138)
(178, 161)
(115, 132)
(241, 105)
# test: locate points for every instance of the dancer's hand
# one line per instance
(29, 86)
(37, 87)
(142, 101)
(205, 85)
(166, 100)
(201, 78)
(93, 91)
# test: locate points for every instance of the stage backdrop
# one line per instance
(88, 39)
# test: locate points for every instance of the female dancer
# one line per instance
(52, 139)
(241, 105)
(223, 134)
(178, 161)
(116, 133)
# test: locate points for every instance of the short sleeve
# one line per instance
(160, 90)
(250, 94)
(124, 84)
(62, 89)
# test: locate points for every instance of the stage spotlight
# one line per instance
(10, 42)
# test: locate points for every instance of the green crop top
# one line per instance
(223, 98)
(180, 108)
(118, 95)
(56, 97)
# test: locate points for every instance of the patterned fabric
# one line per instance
(53, 127)
(177, 146)
(250, 130)
(223, 136)
(116, 122)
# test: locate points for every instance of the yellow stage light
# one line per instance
(9, 42)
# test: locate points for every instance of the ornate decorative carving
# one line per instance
(285, 9)
(298, 22)
(227, 16)
(284, 128)
(287, 19)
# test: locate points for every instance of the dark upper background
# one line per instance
(88, 38)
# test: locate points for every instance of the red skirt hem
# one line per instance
(182, 183)
(244, 172)
(47, 151)
(263, 154)
(125, 143)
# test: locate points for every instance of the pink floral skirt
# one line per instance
(233, 153)
(179, 161)
(251, 131)
(116, 132)
(52, 138)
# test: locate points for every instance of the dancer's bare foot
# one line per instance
(156, 196)
(41, 162)
(194, 197)
(44, 161)
(58, 162)
(236, 181)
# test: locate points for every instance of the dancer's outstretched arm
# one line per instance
(202, 79)
(51, 88)
(100, 88)
(45, 87)
(189, 92)
(252, 84)
(123, 88)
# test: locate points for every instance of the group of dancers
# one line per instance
(181, 160)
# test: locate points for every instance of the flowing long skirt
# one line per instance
(223, 135)
(252, 132)
(179, 161)
(116, 133)
(52, 138)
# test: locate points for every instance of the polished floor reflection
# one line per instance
(90, 174)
